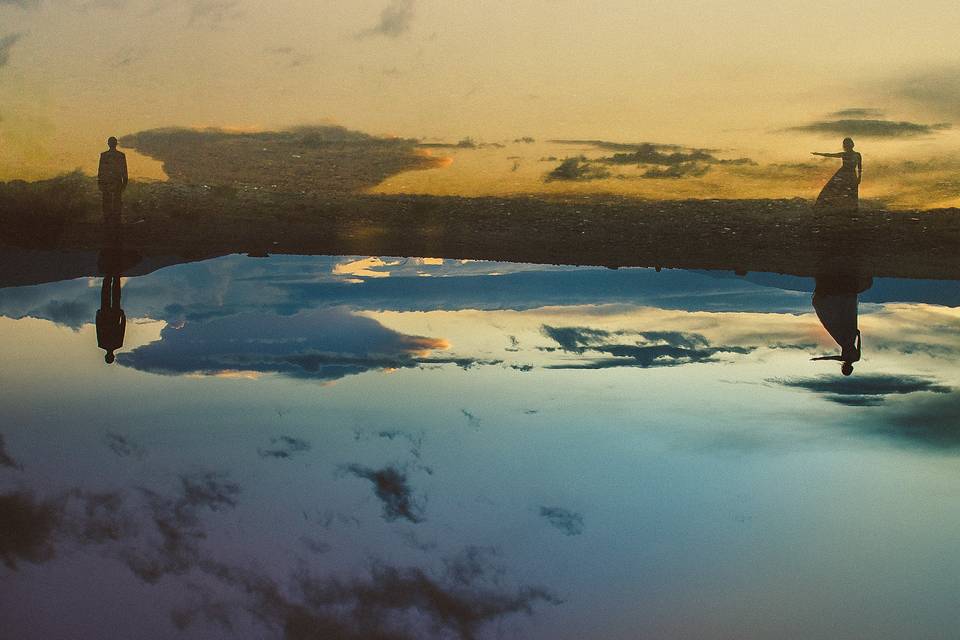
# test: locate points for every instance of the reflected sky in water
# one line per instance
(310, 447)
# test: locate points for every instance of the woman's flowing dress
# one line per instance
(842, 191)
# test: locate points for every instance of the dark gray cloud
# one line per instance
(577, 169)
(619, 146)
(27, 528)
(392, 488)
(391, 602)
(863, 390)
(661, 161)
(33, 529)
(472, 421)
(6, 44)
(645, 350)
(658, 155)
(97, 518)
(857, 112)
(395, 20)
(123, 446)
(284, 447)
(685, 170)
(175, 545)
(70, 313)
(387, 601)
(651, 153)
(872, 128)
(576, 339)
(166, 539)
(211, 490)
(570, 523)
(6, 460)
(936, 90)
(932, 422)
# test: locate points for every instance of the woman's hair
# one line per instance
(848, 142)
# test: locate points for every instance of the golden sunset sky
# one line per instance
(739, 77)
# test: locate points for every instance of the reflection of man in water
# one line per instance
(111, 320)
(112, 178)
(835, 301)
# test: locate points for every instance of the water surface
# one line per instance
(343, 447)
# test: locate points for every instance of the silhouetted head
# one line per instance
(109, 358)
(846, 368)
(848, 144)
(112, 142)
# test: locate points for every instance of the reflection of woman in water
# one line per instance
(835, 301)
(842, 190)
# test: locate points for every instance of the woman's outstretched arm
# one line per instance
(827, 155)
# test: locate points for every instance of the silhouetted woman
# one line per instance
(842, 192)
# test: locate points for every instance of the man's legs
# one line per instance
(105, 297)
(115, 291)
(117, 204)
(111, 204)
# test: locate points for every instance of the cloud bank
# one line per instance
(577, 169)
(660, 161)
(863, 390)
(872, 128)
(645, 350)
(317, 159)
(322, 344)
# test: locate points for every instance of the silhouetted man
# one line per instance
(112, 178)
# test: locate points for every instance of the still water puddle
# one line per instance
(395, 447)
